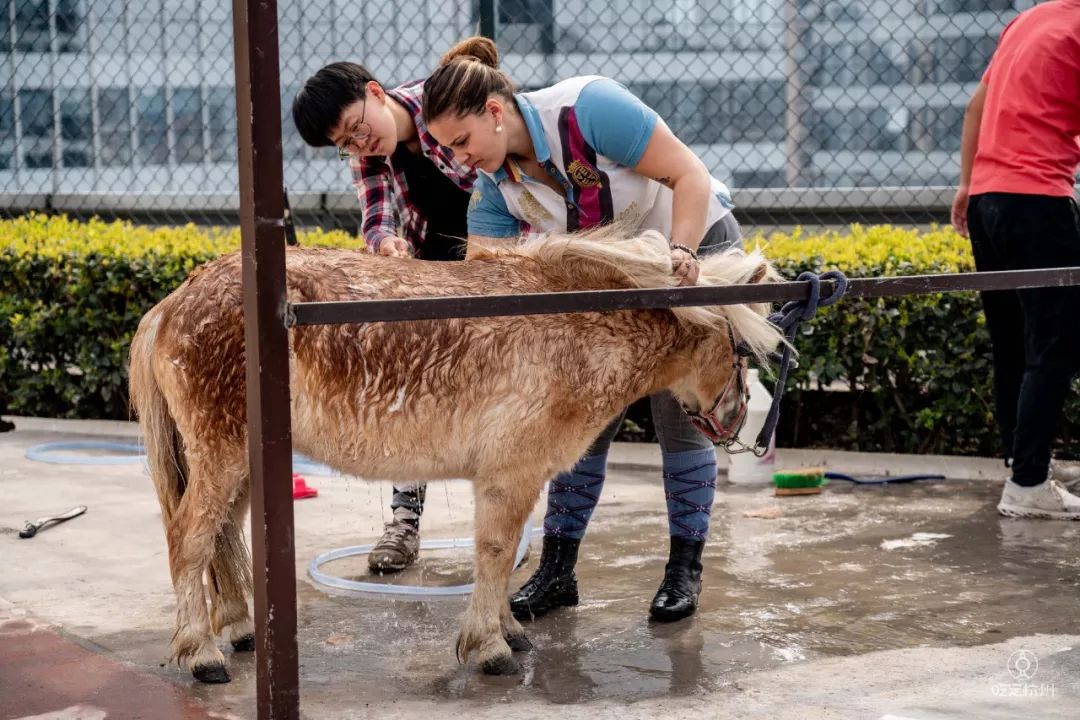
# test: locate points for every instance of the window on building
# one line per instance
(730, 112)
(950, 60)
(524, 11)
(759, 178)
(949, 7)
(69, 24)
(75, 121)
(863, 129)
(77, 157)
(980, 52)
(937, 128)
(292, 145)
(835, 64)
(5, 28)
(114, 117)
(36, 113)
(152, 126)
(755, 111)
(835, 130)
(76, 127)
(676, 103)
(712, 114)
(36, 156)
(222, 102)
(32, 25)
(840, 10)
(525, 26)
(959, 60)
(187, 125)
(7, 130)
(36, 118)
(7, 116)
(867, 62)
(882, 63)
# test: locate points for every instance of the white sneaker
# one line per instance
(1048, 500)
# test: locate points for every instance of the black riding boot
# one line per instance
(678, 594)
(553, 584)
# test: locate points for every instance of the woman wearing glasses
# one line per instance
(413, 195)
(414, 198)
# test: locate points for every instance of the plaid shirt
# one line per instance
(383, 190)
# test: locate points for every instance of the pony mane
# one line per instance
(614, 254)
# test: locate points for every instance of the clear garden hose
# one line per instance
(75, 453)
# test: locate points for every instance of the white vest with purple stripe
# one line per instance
(601, 189)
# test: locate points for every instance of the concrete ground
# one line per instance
(913, 602)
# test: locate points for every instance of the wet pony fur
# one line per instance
(506, 402)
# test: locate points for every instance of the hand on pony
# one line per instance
(394, 247)
(684, 266)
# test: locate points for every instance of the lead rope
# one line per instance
(788, 319)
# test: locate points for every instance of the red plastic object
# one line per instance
(300, 488)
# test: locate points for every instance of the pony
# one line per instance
(506, 402)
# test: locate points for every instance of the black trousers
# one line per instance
(1034, 333)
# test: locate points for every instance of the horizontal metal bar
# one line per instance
(957, 282)
(433, 308)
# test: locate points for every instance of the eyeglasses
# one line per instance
(361, 131)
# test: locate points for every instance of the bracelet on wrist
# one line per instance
(685, 249)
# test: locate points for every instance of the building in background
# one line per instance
(116, 96)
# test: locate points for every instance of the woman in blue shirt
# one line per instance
(582, 153)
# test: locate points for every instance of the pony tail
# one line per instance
(476, 48)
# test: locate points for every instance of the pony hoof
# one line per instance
(214, 674)
(519, 643)
(501, 665)
(244, 644)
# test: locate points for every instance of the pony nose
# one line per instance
(729, 407)
(728, 418)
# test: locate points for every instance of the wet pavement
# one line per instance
(46, 675)
(911, 601)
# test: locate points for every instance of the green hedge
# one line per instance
(918, 368)
(71, 295)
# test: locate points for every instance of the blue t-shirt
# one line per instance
(612, 120)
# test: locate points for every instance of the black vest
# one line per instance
(440, 201)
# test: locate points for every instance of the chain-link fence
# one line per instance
(125, 107)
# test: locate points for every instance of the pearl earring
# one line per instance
(498, 128)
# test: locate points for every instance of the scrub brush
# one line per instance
(804, 481)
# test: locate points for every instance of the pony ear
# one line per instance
(759, 274)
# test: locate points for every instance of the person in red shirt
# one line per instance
(1020, 151)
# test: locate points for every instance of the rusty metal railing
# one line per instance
(267, 315)
(330, 313)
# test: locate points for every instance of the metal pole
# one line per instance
(432, 308)
(262, 227)
(488, 18)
